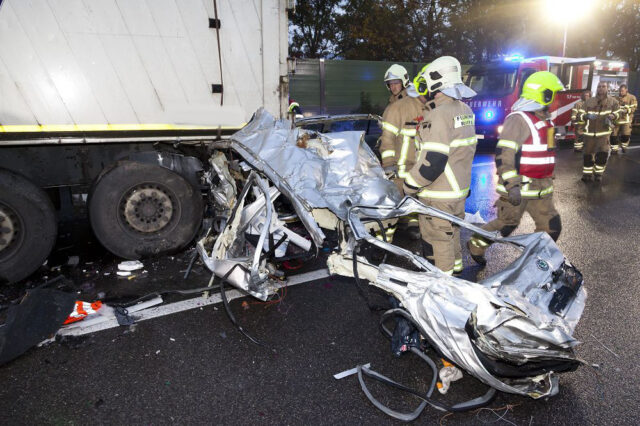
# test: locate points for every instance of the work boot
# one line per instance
(624, 150)
(414, 232)
(478, 258)
(587, 178)
(598, 178)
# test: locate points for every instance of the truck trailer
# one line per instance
(116, 101)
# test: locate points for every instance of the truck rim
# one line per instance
(147, 208)
(9, 229)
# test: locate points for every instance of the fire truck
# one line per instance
(499, 84)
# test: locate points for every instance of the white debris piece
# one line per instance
(474, 218)
(130, 265)
(123, 273)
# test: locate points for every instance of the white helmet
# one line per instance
(445, 75)
(397, 72)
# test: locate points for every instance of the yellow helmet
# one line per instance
(420, 81)
(541, 87)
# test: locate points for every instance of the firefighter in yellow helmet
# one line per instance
(525, 163)
(578, 125)
(599, 115)
(622, 130)
(442, 175)
(398, 147)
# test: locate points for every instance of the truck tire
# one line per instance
(138, 210)
(28, 227)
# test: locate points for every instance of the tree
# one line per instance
(312, 28)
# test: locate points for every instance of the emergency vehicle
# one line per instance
(499, 84)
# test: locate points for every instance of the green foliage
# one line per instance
(471, 30)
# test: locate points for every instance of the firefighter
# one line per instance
(578, 125)
(442, 175)
(397, 145)
(600, 112)
(525, 164)
(622, 130)
(294, 109)
(397, 79)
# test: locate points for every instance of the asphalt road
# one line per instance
(195, 367)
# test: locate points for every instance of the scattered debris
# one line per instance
(73, 261)
(130, 265)
(123, 273)
(350, 372)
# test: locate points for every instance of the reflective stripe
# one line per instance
(503, 143)
(535, 137)
(600, 133)
(444, 195)
(510, 174)
(390, 128)
(527, 192)
(450, 272)
(408, 132)
(540, 160)
(587, 170)
(457, 266)
(464, 142)
(105, 127)
(411, 182)
(388, 153)
(402, 161)
(479, 243)
(435, 146)
(451, 177)
(534, 148)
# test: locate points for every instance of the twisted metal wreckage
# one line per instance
(512, 331)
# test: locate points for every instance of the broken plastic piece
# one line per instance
(130, 265)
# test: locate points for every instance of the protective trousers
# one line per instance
(542, 210)
(578, 144)
(441, 238)
(596, 154)
(621, 134)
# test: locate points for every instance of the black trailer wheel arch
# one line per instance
(138, 210)
(28, 227)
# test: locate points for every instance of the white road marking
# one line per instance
(144, 311)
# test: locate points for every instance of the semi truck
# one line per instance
(115, 101)
(499, 84)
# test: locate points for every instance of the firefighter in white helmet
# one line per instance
(622, 130)
(398, 147)
(525, 163)
(397, 79)
(442, 175)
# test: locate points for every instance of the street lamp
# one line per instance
(564, 11)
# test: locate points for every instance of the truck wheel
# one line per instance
(28, 227)
(138, 210)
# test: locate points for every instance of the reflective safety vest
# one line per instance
(536, 160)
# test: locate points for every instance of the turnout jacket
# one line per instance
(516, 133)
(601, 107)
(397, 143)
(628, 104)
(447, 140)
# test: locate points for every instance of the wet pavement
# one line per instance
(195, 367)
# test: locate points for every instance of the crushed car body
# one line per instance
(513, 330)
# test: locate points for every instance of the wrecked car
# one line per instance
(512, 331)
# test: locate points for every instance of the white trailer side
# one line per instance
(118, 100)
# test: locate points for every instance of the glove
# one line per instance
(390, 171)
(609, 121)
(591, 116)
(514, 196)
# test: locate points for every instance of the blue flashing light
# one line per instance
(489, 115)
(515, 57)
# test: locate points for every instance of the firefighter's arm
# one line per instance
(513, 135)
(574, 113)
(633, 105)
(616, 111)
(390, 131)
(434, 155)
